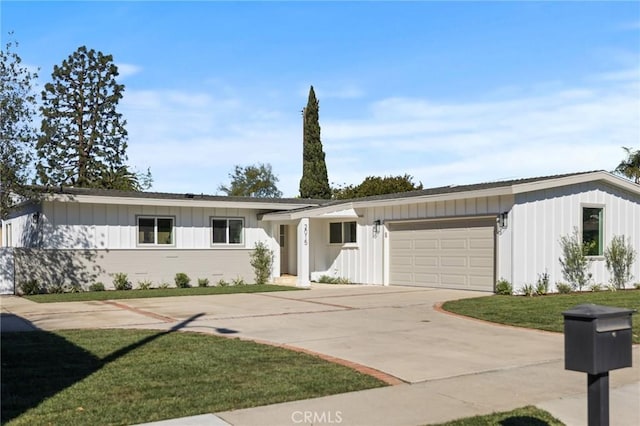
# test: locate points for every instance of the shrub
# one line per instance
(97, 287)
(619, 258)
(182, 280)
(564, 288)
(30, 287)
(238, 281)
(637, 286)
(327, 279)
(144, 285)
(542, 285)
(164, 284)
(574, 262)
(73, 288)
(595, 287)
(504, 287)
(121, 281)
(222, 283)
(262, 262)
(203, 282)
(528, 290)
(55, 288)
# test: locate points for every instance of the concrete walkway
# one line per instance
(451, 367)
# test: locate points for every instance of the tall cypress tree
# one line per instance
(83, 137)
(314, 182)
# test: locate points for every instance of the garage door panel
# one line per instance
(425, 244)
(453, 244)
(453, 280)
(448, 254)
(453, 262)
(425, 261)
(401, 244)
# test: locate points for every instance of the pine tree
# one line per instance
(314, 182)
(83, 137)
(17, 135)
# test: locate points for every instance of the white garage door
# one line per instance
(447, 254)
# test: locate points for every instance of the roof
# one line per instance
(497, 188)
(293, 208)
(112, 196)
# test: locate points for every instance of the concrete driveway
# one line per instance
(391, 329)
(454, 366)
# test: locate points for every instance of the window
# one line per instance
(155, 230)
(342, 232)
(592, 225)
(227, 230)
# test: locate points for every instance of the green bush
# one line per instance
(575, 264)
(595, 287)
(30, 287)
(564, 288)
(121, 281)
(55, 288)
(98, 286)
(542, 285)
(182, 280)
(238, 281)
(144, 284)
(636, 286)
(262, 262)
(203, 282)
(619, 258)
(73, 288)
(504, 287)
(164, 284)
(327, 279)
(222, 283)
(528, 290)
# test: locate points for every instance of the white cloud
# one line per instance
(192, 140)
(127, 70)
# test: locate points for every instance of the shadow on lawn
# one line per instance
(27, 380)
(523, 421)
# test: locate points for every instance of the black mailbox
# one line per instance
(597, 338)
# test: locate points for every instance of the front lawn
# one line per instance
(542, 312)
(156, 292)
(117, 377)
(525, 416)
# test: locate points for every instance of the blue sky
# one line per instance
(449, 92)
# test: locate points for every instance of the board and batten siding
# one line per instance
(114, 227)
(541, 218)
(367, 261)
(89, 242)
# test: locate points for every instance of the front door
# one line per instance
(284, 250)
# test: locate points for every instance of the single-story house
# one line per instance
(462, 237)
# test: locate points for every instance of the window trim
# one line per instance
(601, 228)
(343, 233)
(227, 244)
(155, 230)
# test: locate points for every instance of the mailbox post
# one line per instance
(597, 339)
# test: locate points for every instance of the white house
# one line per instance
(464, 237)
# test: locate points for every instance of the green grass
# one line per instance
(117, 377)
(543, 312)
(525, 416)
(155, 292)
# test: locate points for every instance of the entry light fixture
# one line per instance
(503, 220)
(376, 226)
(36, 217)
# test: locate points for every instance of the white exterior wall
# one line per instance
(366, 262)
(113, 227)
(540, 218)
